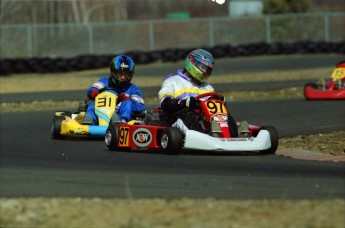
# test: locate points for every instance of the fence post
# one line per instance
(268, 29)
(326, 27)
(151, 36)
(91, 46)
(211, 31)
(29, 33)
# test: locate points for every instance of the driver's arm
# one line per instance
(93, 91)
(171, 105)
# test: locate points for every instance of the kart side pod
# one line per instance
(124, 137)
(265, 142)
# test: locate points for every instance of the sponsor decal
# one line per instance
(223, 124)
(142, 137)
(219, 118)
(123, 65)
(233, 139)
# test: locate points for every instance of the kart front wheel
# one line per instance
(111, 138)
(56, 127)
(172, 140)
(274, 140)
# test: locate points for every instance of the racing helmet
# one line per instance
(199, 64)
(121, 70)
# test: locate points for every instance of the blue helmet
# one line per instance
(121, 70)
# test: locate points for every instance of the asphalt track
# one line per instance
(32, 164)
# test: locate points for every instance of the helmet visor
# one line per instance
(203, 65)
(123, 73)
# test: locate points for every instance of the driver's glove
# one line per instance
(94, 93)
(190, 102)
(122, 97)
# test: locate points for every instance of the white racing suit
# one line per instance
(176, 88)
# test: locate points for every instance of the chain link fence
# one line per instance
(68, 40)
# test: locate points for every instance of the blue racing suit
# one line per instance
(124, 109)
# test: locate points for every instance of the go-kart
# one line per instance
(70, 125)
(331, 89)
(156, 132)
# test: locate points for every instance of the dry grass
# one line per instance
(83, 79)
(332, 143)
(96, 212)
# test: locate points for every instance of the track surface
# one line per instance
(32, 164)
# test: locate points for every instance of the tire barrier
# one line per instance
(88, 62)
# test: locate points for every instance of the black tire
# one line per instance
(111, 138)
(274, 139)
(56, 127)
(172, 140)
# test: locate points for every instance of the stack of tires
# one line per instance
(88, 62)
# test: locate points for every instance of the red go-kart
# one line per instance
(155, 132)
(332, 89)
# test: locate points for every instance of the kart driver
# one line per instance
(129, 100)
(179, 91)
(337, 78)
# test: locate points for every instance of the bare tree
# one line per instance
(75, 11)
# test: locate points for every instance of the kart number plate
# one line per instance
(215, 107)
(104, 102)
(338, 73)
(123, 136)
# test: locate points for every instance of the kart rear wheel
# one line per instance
(56, 127)
(172, 140)
(112, 136)
(274, 139)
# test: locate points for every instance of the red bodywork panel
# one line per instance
(139, 136)
(146, 136)
(311, 93)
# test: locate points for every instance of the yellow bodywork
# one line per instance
(71, 127)
(105, 106)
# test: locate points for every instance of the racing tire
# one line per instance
(172, 140)
(274, 139)
(56, 127)
(112, 136)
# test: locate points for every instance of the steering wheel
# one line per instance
(107, 88)
(211, 95)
